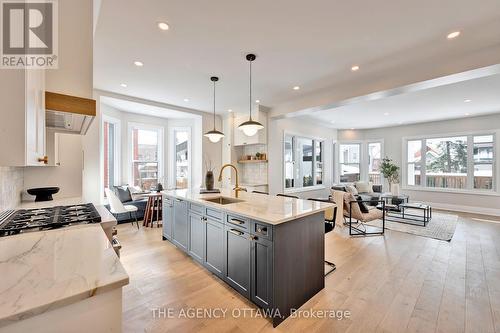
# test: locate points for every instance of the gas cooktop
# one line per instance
(26, 220)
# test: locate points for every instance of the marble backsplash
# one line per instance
(11, 186)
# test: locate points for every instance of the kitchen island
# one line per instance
(269, 249)
(61, 280)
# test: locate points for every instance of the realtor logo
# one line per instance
(29, 34)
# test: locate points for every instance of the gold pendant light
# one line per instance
(250, 127)
(214, 135)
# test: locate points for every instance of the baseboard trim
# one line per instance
(466, 209)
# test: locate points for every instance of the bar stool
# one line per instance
(154, 210)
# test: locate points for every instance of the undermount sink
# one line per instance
(223, 200)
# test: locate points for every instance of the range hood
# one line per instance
(69, 114)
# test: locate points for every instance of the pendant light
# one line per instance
(250, 127)
(214, 135)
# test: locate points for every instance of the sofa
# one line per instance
(123, 193)
(367, 191)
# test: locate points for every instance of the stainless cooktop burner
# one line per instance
(25, 220)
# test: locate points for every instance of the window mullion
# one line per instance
(470, 162)
(423, 163)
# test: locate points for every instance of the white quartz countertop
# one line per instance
(40, 271)
(266, 208)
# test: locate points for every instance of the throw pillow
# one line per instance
(123, 193)
(364, 187)
(362, 205)
(351, 189)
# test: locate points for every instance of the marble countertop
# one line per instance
(44, 270)
(266, 208)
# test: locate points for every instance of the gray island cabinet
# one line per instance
(276, 266)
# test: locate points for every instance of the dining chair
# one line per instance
(330, 217)
(117, 207)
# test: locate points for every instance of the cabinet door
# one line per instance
(196, 236)
(168, 216)
(237, 260)
(262, 272)
(214, 247)
(35, 116)
(180, 226)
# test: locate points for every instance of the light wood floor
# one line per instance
(396, 283)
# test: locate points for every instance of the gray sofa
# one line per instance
(372, 197)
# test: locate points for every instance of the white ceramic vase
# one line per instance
(395, 189)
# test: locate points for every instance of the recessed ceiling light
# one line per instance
(453, 34)
(186, 99)
(124, 85)
(229, 110)
(138, 63)
(467, 114)
(467, 101)
(296, 88)
(352, 128)
(354, 68)
(386, 113)
(163, 26)
(333, 121)
(257, 101)
(400, 122)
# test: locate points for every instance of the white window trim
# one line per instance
(161, 165)
(308, 188)
(363, 158)
(117, 148)
(173, 165)
(470, 175)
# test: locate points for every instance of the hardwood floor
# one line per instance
(396, 283)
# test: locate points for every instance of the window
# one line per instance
(483, 162)
(374, 161)
(182, 160)
(111, 165)
(349, 159)
(414, 159)
(446, 162)
(464, 162)
(146, 156)
(303, 162)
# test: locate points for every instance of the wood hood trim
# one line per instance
(70, 104)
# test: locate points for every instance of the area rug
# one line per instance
(442, 226)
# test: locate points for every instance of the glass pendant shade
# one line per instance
(250, 127)
(214, 135)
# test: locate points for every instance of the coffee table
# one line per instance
(404, 217)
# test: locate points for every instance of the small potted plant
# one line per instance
(390, 171)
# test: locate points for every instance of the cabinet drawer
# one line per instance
(262, 230)
(238, 221)
(197, 208)
(214, 214)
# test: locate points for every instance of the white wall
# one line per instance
(67, 176)
(276, 130)
(393, 141)
(75, 73)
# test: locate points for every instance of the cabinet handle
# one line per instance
(45, 159)
(236, 232)
(235, 221)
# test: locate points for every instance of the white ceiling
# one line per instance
(312, 44)
(145, 109)
(444, 102)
